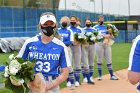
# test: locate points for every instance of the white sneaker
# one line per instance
(85, 80)
(99, 78)
(77, 84)
(113, 78)
(91, 79)
(72, 87)
(68, 84)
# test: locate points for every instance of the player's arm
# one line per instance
(134, 63)
(64, 64)
(70, 39)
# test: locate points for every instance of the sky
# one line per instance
(116, 7)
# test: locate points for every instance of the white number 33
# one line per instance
(42, 66)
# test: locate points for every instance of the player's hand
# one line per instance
(38, 84)
(76, 42)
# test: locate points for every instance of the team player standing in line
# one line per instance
(90, 53)
(76, 50)
(103, 51)
(66, 36)
(50, 53)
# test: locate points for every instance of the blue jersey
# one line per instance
(101, 28)
(66, 36)
(134, 57)
(75, 29)
(49, 57)
(88, 29)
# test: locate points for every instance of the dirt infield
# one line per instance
(106, 86)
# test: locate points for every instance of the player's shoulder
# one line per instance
(78, 27)
(58, 42)
(59, 28)
(69, 29)
(32, 39)
(95, 26)
(137, 39)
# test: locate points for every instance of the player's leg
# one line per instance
(99, 55)
(108, 58)
(84, 64)
(91, 57)
(70, 80)
(77, 59)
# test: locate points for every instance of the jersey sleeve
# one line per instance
(71, 35)
(134, 57)
(64, 58)
(23, 53)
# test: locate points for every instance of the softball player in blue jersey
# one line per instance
(50, 53)
(134, 62)
(103, 51)
(66, 35)
(76, 50)
(90, 53)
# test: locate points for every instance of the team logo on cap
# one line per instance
(48, 16)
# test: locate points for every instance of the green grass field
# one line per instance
(120, 54)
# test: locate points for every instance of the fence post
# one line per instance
(24, 15)
(53, 2)
(136, 29)
(126, 32)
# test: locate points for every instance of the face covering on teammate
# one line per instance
(48, 31)
(88, 25)
(73, 23)
(100, 22)
(64, 24)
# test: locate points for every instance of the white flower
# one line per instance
(21, 81)
(81, 36)
(6, 74)
(93, 38)
(13, 70)
(24, 63)
(89, 33)
(15, 81)
(11, 56)
(16, 64)
(6, 69)
(100, 36)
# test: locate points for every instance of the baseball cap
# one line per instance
(47, 17)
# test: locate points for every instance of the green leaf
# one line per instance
(20, 60)
(33, 60)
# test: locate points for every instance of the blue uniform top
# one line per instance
(75, 29)
(66, 36)
(88, 29)
(134, 56)
(101, 28)
(49, 57)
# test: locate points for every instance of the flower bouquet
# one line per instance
(81, 38)
(112, 30)
(18, 73)
(94, 36)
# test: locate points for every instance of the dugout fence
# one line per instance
(20, 22)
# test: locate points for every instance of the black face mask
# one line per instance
(48, 31)
(100, 22)
(73, 23)
(88, 25)
(64, 24)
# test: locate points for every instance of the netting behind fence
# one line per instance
(19, 22)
